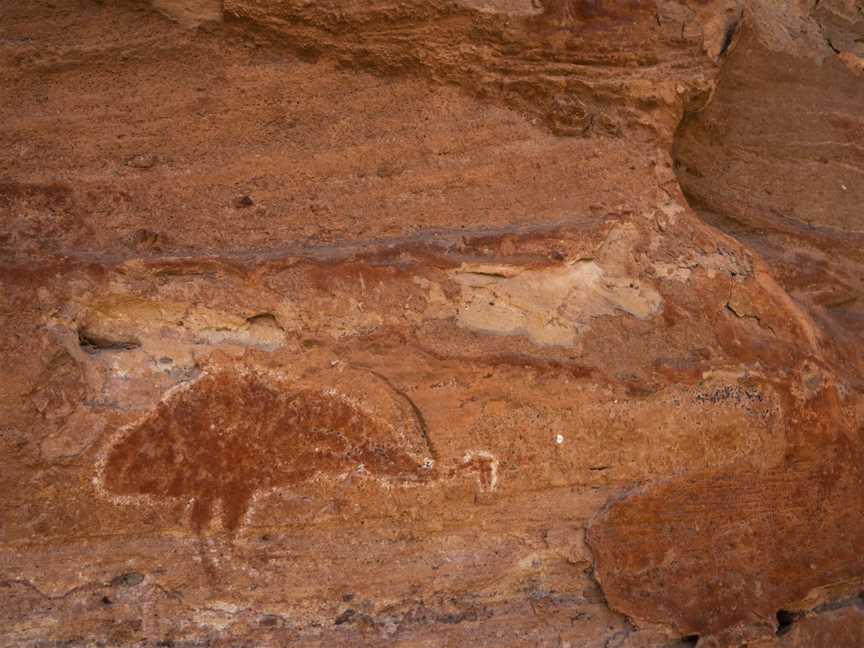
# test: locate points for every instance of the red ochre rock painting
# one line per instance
(229, 435)
(486, 467)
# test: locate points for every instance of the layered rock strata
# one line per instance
(363, 322)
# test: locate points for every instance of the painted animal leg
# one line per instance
(200, 517)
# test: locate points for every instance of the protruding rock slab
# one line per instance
(706, 553)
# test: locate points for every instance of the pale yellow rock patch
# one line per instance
(549, 306)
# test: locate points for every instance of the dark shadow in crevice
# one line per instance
(93, 343)
(785, 621)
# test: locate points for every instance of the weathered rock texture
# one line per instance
(432, 323)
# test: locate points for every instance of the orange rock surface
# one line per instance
(432, 323)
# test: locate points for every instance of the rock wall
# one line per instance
(363, 322)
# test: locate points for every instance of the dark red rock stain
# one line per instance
(231, 435)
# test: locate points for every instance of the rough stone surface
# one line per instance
(432, 323)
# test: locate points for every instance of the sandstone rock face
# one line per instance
(487, 322)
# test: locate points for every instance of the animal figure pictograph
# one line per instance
(232, 434)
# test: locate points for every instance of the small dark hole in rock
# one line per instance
(690, 641)
(785, 621)
(92, 343)
(263, 319)
(728, 36)
(130, 579)
(345, 617)
(106, 600)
